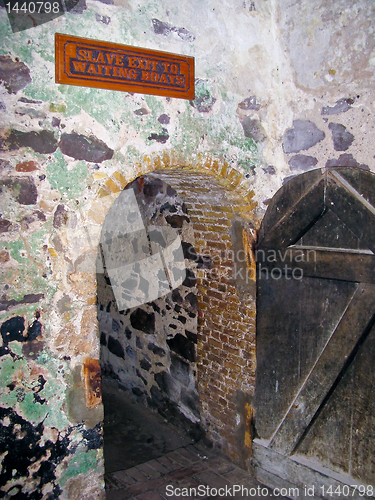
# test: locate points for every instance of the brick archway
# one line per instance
(221, 209)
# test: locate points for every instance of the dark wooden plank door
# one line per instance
(315, 381)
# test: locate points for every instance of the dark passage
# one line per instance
(134, 434)
(149, 455)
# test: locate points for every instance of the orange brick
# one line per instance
(215, 343)
(224, 338)
(232, 366)
(214, 293)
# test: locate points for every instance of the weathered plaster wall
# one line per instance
(326, 69)
(282, 87)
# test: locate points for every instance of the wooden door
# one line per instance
(315, 381)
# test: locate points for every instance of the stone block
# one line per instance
(143, 321)
(23, 189)
(182, 346)
(43, 142)
(14, 74)
(341, 137)
(303, 135)
(115, 347)
(302, 162)
(85, 148)
(180, 370)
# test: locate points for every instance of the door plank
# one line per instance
(319, 263)
(341, 437)
(331, 232)
(315, 391)
(287, 196)
(298, 219)
(301, 473)
(352, 208)
(294, 323)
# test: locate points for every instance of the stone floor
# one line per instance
(149, 458)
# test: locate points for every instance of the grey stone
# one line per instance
(341, 106)
(141, 377)
(193, 301)
(29, 101)
(85, 148)
(302, 162)
(152, 187)
(161, 28)
(60, 217)
(115, 326)
(76, 7)
(204, 102)
(27, 299)
(56, 121)
(162, 138)
(33, 113)
(303, 135)
(156, 394)
(159, 351)
(43, 142)
(176, 296)
(115, 347)
(193, 336)
(13, 329)
(253, 129)
(190, 279)
(167, 385)
(342, 139)
(145, 364)
(131, 352)
(181, 319)
(5, 165)
(4, 225)
(14, 74)
(23, 189)
(34, 331)
(141, 112)
(180, 370)
(155, 307)
(182, 346)
(103, 19)
(250, 103)
(164, 119)
(346, 160)
(191, 400)
(141, 320)
(177, 221)
(270, 169)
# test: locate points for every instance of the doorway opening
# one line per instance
(189, 352)
(147, 313)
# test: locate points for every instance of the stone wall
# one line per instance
(151, 348)
(281, 87)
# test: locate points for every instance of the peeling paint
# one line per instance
(258, 72)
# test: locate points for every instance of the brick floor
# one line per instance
(188, 473)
